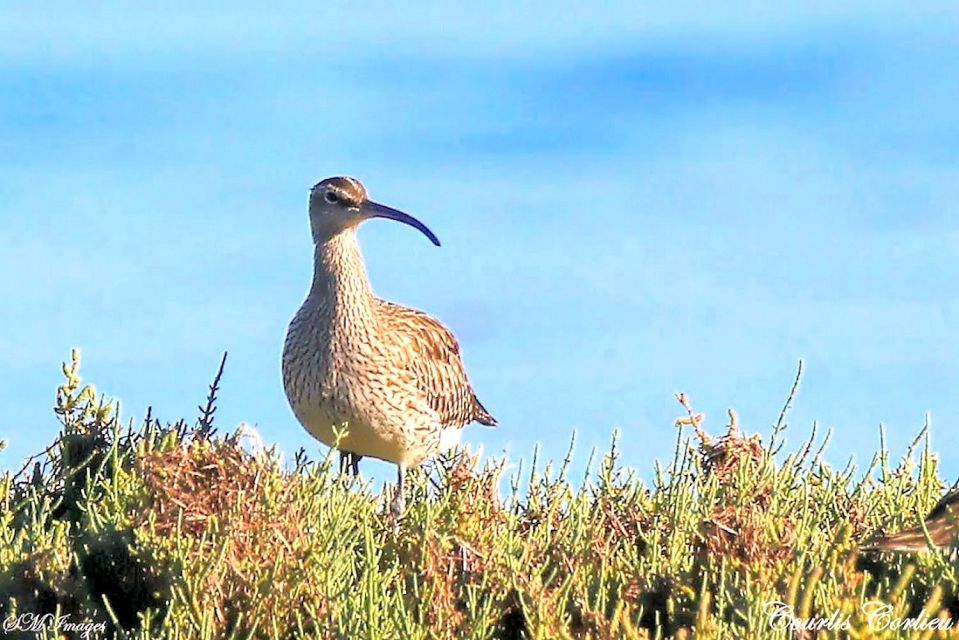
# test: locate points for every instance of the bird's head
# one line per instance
(341, 203)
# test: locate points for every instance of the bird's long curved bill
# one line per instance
(377, 210)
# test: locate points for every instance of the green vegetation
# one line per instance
(175, 531)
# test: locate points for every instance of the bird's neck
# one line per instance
(340, 284)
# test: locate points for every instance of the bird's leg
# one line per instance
(350, 463)
(399, 499)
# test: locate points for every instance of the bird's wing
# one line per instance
(942, 523)
(948, 502)
(431, 353)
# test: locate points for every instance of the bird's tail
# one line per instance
(481, 415)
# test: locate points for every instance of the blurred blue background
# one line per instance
(633, 201)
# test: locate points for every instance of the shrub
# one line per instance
(177, 531)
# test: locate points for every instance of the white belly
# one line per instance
(385, 443)
(450, 438)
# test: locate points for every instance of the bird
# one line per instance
(942, 523)
(391, 376)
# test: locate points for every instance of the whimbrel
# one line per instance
(391, 375)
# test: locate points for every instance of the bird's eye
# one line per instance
(331, 197)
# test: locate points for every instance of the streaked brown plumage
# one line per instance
(942, 523)
(432, 354)
(392, 375)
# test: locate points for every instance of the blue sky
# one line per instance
(632, 201)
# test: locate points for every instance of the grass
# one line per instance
(177, 531)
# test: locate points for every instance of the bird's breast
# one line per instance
(334, 367)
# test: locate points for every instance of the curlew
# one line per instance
(391, 375)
